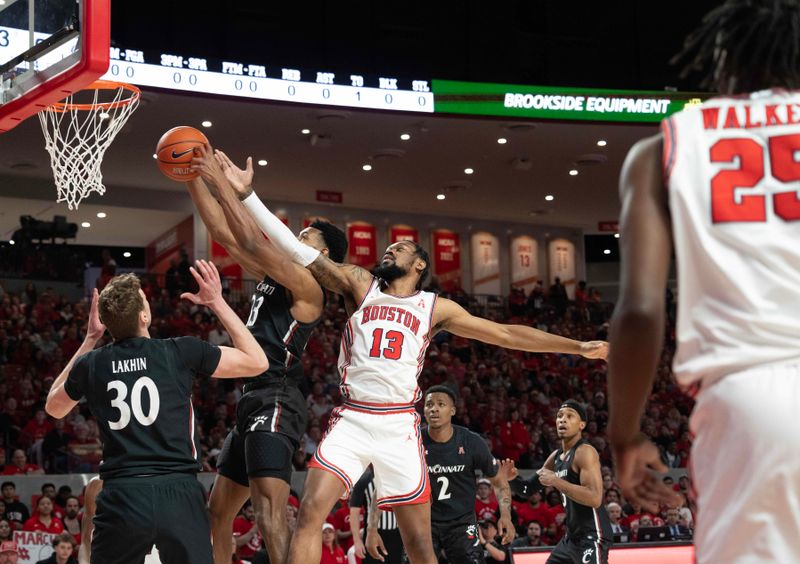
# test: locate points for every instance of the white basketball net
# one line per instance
(77, 136)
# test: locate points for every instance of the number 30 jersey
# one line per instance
(732, 170)
(139, 390)
(383, 347)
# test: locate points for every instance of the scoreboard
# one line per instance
(266, 81)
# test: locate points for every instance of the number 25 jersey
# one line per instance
(732, 172)
(383, 347)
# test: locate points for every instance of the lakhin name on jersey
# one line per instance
(441, 469)
(130, 365)
(387, 313)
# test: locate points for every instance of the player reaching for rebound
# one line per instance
(139, 390)
(574, 470)
(383, 348)
(719, 185)
(256, 459)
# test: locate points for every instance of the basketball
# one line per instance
(174, 152)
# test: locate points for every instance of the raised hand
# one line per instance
(240, 180)
(204, 162)
(210, 286)
(635, 463)
(95, 328)
(507, 469)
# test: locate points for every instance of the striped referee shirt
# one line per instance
(363, 495)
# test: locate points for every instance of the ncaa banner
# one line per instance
(399, 233)
(362, 244)
(524, 262)
(446, 258)
(485, 249)
(561, 255)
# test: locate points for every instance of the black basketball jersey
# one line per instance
(581, 520)
(282, 337)
(139, 390)
(451, 469)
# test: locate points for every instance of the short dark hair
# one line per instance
(64, 537)
(442, 389)
(48, 485)
(760, 40)
(334, 238)
(6, 484)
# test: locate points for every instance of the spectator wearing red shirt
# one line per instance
(486, 505)
(514, 437)
(245, 532)
(43, 519)
(534, 510)
(36, 429)
(19, 465)
(70, 343)
(332, 553)
(341, 521)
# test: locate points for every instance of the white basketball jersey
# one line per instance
(383, 347)
(732, 168)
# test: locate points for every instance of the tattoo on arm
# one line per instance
(338, 278)
(374, 513)
(503, 494)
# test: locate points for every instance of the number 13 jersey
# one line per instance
(732, 170)
(383, 347)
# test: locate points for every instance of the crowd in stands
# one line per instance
(508, 397)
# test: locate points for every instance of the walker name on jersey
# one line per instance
(442, 469)
(751, 117)
(130, 365)
(266, 289)
(391, 313)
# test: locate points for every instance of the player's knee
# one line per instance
(419, 547)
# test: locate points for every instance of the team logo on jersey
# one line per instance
(472, 531)
(266, 289)
(421, 304)
(260, 420)
(461, 450)
(587, 555)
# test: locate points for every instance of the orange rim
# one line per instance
(135, 93)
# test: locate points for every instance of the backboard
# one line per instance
(48, 50)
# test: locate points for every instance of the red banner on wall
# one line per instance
(446, 258)
(362, 244)
(228, 268)
(402, 233)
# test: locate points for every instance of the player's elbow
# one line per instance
(55, 409)
(638, 315)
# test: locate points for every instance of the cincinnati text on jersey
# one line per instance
(441, 469)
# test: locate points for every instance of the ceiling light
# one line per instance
(86, 224)
(549, 197)
(367, 167)
(616, 235)
(11, 241)
(440, 196)
(601, 143)
(405, 137)
(468, 171)
(126, 254)
(502, 141)
(101, 215)
(607, 252)
(262, 162)
(573, 172)
(206, 123)
(155, 156)
(305, 131)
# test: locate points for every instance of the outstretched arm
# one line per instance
(346, 279)
(224, 174)
(637, 328)
(451, 317)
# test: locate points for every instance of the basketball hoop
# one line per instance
(78, 131)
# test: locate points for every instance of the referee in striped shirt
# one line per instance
(387, 542)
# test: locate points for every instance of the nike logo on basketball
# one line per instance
(179, 155)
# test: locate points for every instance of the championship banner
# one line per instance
(446, 258)
(485, 249)
(362, 244)
(561, 254)
(402, 233)
(524, 262)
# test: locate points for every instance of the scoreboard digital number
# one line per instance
(249, 80)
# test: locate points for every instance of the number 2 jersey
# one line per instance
(731, 169)
(139, 390)
(383, 347)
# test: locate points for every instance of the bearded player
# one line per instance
(383, 348)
